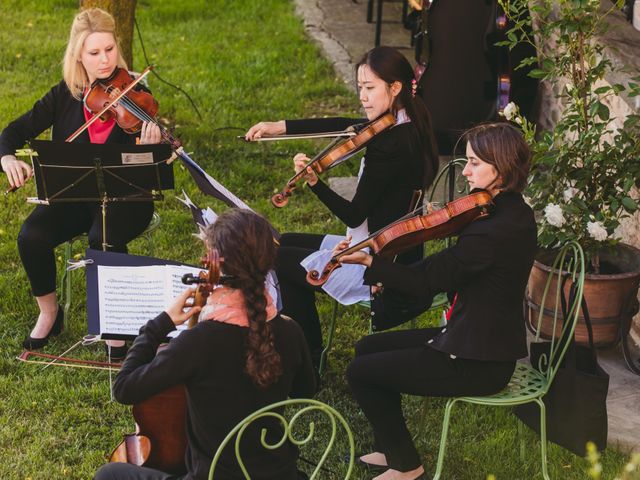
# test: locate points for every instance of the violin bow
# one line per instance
(122, 93)
(302, 136)
(26, 355)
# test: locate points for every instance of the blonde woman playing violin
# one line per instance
(92, 53)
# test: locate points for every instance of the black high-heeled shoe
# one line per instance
(31, 343)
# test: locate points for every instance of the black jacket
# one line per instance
(488, 268)
(59, 110)
(394, 168)
(209, 360)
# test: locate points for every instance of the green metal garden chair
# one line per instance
(446, 186)
(304, 407)
(529, 384)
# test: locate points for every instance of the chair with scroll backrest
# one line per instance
(530, 384)
(291, 414)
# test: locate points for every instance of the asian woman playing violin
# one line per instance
(487, 268)
(397, 162)
(240, 357)
(92, 53)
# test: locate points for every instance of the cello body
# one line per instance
(161, 438)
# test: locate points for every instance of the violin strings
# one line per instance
(132, 107)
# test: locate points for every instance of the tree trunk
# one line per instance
(124, 12)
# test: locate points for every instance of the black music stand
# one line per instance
(101, 173)
(105, 173)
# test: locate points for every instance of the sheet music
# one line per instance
(130, 296)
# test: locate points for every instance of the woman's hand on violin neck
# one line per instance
(150, 133)
(300, 162)
(177, 309)
(360, 257)
(266, 129)
(342, 245)
(18, 172)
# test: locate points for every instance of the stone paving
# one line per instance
(341, 30)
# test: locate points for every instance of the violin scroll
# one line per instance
(281, 199)
(317, 279)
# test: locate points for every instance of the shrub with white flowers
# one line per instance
(583, 171)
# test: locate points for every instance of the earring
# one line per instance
(414, 87)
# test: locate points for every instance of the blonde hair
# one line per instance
(86, 22)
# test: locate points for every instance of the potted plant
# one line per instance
(586, 169)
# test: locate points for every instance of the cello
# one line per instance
(413, 230)
(160, 440)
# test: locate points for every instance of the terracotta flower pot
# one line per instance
(611, 298)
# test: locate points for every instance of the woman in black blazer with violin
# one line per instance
(398, 161)
(92, 54)
(487, 268)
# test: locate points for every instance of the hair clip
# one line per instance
(414, 87)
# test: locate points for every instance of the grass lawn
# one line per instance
(241, 62)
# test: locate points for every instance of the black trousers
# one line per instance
(298, 297)
(50, 225)
(127, 471)
(389, 364)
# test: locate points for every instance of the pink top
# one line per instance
(99, 131)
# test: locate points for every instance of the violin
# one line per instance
(114, 97)
(414, 230)
(335, 153)
(102, 91)
(160, 440)
(206, 281)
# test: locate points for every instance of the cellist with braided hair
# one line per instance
(241, 356)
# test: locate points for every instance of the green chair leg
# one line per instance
(543, 437)
(423, 419)
(521, 437)
(65, 286)
(443, 437)
(327, 347)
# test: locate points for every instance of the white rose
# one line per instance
(510, 111)
(597, 231)
(569, 193)
(617, 233)
(553, 214)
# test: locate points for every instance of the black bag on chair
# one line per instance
(576, 403)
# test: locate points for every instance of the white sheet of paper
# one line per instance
(130, 296)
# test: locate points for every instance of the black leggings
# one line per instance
(298, 297)
(391, 363)
(127, 471)
(50, 225)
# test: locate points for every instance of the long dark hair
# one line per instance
(245, 242)
(391, 66)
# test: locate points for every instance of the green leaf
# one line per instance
(629, 204)
(537, 73)
(603, 111)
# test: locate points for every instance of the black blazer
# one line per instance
(59, 110)
(393, 169)
(488, 268)
(209, 360)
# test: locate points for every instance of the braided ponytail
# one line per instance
(245, 241)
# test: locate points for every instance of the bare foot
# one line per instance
(374, 458)
(396, 475)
